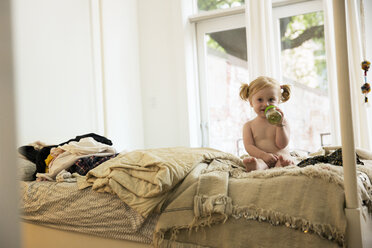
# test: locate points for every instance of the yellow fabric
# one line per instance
(47, 162)
(142, 178)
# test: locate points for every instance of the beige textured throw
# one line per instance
(143, 178)
(309, 201)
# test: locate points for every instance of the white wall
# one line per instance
(121, 73)
(55, 97)
(58, 83)
(167, 73)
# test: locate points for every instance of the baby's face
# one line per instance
(263, 98)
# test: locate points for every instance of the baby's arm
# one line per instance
(249, 145)
(282, 132)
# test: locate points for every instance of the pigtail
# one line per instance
(244, 92)
(286, 92)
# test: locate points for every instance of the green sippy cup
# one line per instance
(273, 116)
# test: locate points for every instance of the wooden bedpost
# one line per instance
(352, 210)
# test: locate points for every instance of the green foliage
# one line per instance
(298, 24)
(206, 5)
(211, 43)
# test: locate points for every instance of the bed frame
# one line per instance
(358, 230)
(46, 237)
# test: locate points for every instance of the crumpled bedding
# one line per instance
(143, 178)
(69, 153)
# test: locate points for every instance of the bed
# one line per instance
(186, 197)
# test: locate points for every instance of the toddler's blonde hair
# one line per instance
(247, 91)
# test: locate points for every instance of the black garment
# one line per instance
(83, 165)
(96, 137)
(38, 156)
(334, 158)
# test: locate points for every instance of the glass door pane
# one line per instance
(226, 69)
(303, 65)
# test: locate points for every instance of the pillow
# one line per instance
(298, 153)
(320, 152)
(25, 169)
(364, 154)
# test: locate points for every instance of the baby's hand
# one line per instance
(281, 112)
(270, 159)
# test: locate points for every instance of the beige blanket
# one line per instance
(199, 187)
(143, 178)
(305, 200)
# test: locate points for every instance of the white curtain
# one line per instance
(368, 37)
(360, 123)
(260, 38)
(332, 72)
(359, 108)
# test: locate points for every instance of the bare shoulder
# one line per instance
(248, 125)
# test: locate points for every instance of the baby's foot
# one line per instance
(250, 164)
(282, 162)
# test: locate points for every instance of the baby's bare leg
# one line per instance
(284, 161)
(252, 163)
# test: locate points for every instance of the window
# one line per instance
(301, 55)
